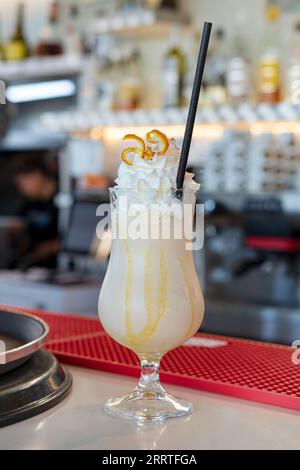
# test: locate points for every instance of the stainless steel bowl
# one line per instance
(21, 335)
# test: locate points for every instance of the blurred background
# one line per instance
(79, 74)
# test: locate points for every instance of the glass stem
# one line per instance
(149, 380)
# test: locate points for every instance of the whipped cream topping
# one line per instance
(157, 174)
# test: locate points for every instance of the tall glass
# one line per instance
(150, 300)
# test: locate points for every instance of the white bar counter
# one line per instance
(217, 422)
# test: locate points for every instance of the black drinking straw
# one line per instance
(193, 106)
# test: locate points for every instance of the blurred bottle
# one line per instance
(49, 43)
(154, 4)
(72, 39)
(214, 91)
(238, 80)
(293, 71)
(17, 47)
(87, 96)
(174, 70)
(129, 91)
(269, 79)
(192, 47)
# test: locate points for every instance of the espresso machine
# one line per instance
(252, 268)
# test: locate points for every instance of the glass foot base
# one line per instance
(147, 406)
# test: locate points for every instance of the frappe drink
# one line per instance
(150, 300)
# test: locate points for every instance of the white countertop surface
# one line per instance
(217, 422)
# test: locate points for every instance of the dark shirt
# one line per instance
(42, 225)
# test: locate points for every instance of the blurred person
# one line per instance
(37, 183)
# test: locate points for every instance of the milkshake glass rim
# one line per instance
(170, 190)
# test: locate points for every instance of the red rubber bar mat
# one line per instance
(250, 370)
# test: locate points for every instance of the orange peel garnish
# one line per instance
(137, 138)
(139, 151)
(148, 154)
(124, 155)
(155, 136)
